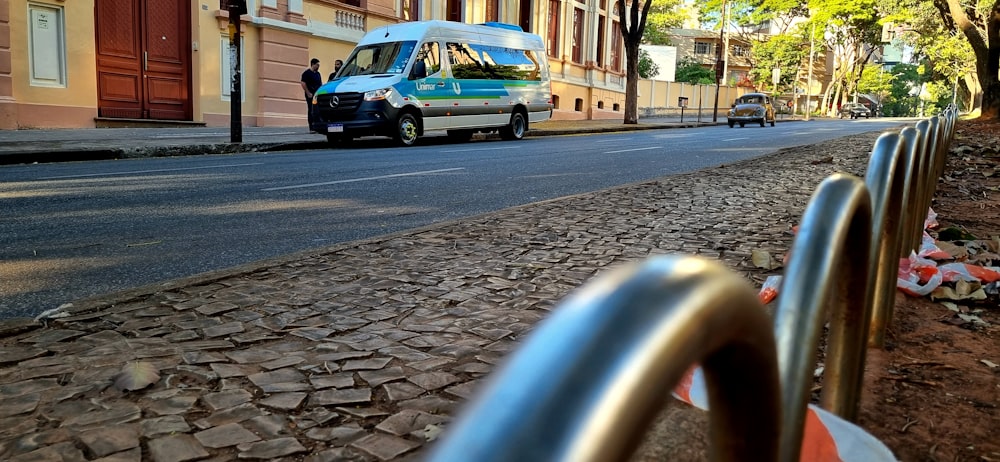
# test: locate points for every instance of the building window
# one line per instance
(410, 10)
(600, 41)
(577, 35)
(741, 50)
(454, 11)
(228, 58)
(578, 105)
(616, 107)
(46, 45)
(704, 48)
(616, 47)
(295, 6)
(600, 105)
(555, 101)
(525, 16)
(492, 10)
(553, 42)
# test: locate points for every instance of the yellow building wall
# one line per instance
(75, 104)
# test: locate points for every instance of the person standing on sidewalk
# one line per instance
(311, 81)
(337, 64)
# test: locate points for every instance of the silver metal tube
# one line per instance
(598, 370)
(920, 184)
(886, 179)
(827, 273)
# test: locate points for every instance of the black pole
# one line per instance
(235, 93)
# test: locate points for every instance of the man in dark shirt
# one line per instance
(336, 68)
(311, 81)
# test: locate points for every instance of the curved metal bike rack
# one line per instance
(598, 370)
(887, 180)
(827, 273)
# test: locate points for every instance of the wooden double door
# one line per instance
(144, 59)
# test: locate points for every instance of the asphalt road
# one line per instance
(74, 230)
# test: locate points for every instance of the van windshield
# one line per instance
(378, 58)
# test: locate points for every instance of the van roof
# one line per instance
(498, 34)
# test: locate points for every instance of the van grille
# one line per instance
(345, 103)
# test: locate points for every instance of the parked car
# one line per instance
(752, 107)
(854, 111)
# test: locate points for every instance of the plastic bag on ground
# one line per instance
(825, 438)
(769, 291)
(918, 276)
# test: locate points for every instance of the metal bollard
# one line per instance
(919, 185)
(887, 180)
(827, 273)
(598, 370)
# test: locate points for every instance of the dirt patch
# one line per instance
(933, 393)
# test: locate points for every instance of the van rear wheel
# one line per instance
(407, 130)
(516, 129)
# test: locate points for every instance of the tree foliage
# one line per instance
(647, 67)
(689, 71)
(663, 16)
(785, 52)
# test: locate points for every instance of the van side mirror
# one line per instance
(419, 70)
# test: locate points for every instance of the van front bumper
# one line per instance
(368, 118)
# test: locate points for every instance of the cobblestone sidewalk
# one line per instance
(365, 351)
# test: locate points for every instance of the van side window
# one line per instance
(475, 61)
(465, 62)
(428, 61)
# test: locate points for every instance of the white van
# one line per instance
(404, 79)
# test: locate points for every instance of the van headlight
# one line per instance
(376, 95)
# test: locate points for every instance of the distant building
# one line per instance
(665, 58)
(703, 47)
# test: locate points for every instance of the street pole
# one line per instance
(809, 78)
(720, 63)
(236, 8)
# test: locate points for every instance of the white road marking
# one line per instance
(354, 180)
(631, 150)
(736, 139)
(135, 172)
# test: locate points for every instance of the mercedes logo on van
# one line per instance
(334, 101)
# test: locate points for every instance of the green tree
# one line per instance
(632, 25)
(663, 16)
(979, 22)
(647, 67)
(784, 52)
(690, 71)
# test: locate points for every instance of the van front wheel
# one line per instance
(518, 126)
(406, 130)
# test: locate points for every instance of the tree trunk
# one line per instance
(632, 83)
(985, 42)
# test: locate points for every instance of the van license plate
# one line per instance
(335, 128)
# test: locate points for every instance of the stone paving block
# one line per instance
(336, 455)
(232, 415)
(406, 421)
(404, 353)
(365, 364)
(336, 436)
(226, 399)
(285, 387)
(385, 447)
(402, 391)
(342, 355)
(312, 333)
(285, 375)
(233, 370)
(271, 449)
(102, 442)
(430, 404)
(50, 336)
(131, 455)
(65, 452)
(378, 377)
(203, 375)
(34, 440)
(282, 362)
(283, 401)
(221, 330)
(172, 406)
(464, 390)
(15, 326)
(14, 354)
(362, 412)
(345, 396)
(268, 426)
(176, 448)
(213, 309)
(166, 425)
(433, 380)
(19, 404)
(117, 413)
(253, 355)
(225, 435)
